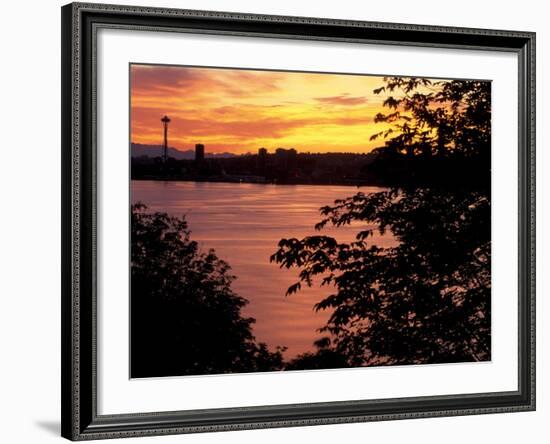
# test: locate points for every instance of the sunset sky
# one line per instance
(239, 111)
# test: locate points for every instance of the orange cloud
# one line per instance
(241, 110)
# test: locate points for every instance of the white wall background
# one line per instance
(30, 221)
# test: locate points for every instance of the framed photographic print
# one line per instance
(281, 221)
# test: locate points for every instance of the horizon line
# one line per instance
(192, 149)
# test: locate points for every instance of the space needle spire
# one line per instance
(165, 121)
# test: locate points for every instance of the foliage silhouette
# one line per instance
(324, 357)
(438, 134)
(185, 318)
(427, 298)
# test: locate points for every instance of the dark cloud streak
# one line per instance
(343, 100)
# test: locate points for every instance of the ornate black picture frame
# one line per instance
(80, 419)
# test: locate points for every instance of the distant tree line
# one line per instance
(286, 166)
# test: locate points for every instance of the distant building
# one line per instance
(199, 152)
(286, 157)
(292, 155)
(262, 158)
(281, 157)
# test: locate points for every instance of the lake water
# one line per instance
(244, 223)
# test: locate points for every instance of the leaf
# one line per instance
(293, 288)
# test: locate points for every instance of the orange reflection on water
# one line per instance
(244, 223)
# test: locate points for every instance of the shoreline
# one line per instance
(238, 181)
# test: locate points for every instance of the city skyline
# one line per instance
(239, 111)
(192, 148)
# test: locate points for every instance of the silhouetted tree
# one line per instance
(426, 299)
(439, 134)
(323, 358)
(186, 319)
